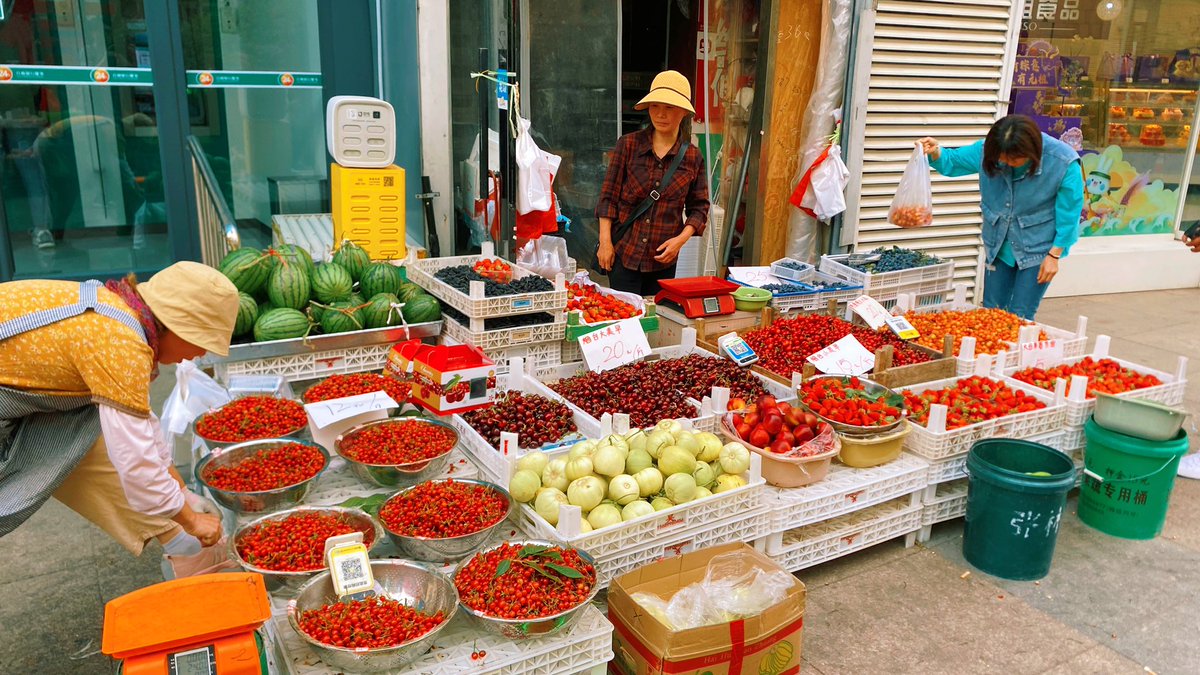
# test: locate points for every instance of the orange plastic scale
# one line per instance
(202, 625)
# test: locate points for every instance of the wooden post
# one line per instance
(883, 359)
(948, 347)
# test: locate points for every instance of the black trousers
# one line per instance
(622, 278)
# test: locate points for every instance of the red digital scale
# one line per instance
(698, 297)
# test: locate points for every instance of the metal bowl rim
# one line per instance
(526, 542)
(854, 428)
(208, 459)
(391, 562)
(237, 557)
(337, 442)
(291, 432)
(476, 481)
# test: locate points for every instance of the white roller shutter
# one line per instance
(936, 68)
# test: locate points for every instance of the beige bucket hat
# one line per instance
(195, 302)
(670, 87)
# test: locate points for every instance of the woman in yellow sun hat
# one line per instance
(76, 362)
(655, 193)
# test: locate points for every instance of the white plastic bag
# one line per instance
(535, 171)
(546, 255)
(828, 193)
(913, 204)
(194, 393)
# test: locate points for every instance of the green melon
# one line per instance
(281, 324)
(357, 299)
(378, 312)
(422, 309)
(315, 311)
(354, 258)
(381, 278)
(294, 255)
(410, 291)
(289, 286)
(247, 268)
(247, 314)
(340, 318)
(331, 282)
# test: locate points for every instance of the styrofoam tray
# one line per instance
(844, 490)
(948, 502)
(478, 306)
(584, 645)
(830, 539)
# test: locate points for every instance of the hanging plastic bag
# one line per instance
(547, 256)
(821, 192)
(913, 204)
(194, 394)
(535, 171)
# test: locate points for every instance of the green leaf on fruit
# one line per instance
(503, 567)
(532, 550)
(567, 572)
(542, 571)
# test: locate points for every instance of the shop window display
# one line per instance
(1118, 81)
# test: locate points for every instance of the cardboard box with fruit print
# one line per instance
(445, 379)
(765, 644)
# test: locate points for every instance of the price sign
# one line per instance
(615, 345)
(349, 565)
(902, 328)
(870, 310)
(335, 410)
(844, 357)
(752, 276)
(1041, 354)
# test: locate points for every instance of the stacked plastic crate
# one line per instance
(813, 290)
(929, 285)
(525, 325)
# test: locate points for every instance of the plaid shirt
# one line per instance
(633, 172)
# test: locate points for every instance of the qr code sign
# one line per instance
(389, 181)
(352, 571)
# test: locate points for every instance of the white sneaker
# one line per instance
(1189, 466)
(43, 239)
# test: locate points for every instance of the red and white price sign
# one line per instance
(1041, 354)
(870, 310)
(844, 357)
(614, 345)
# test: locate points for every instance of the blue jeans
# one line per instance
(1012, 289)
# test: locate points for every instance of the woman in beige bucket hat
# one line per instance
(76, 362)
(655, 193)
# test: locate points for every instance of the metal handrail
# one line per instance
(218, 228)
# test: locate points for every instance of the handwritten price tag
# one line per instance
(612, 346)
(328, 412)
(752, 276)
(1041, 354)
(844, 357)
(870, 310)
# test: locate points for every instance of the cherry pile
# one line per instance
(514, 581)
(970, 401)
(783, 346)
(371, 623)
(993, 329)
(398, 442)
(295, 543)
(1105, 376)
(535, 419)
(444, 509)
(596, 307)
(252, 418)
(696, 375)
(633, 389)
(342, 386)
(268, 469)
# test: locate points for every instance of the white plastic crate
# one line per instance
(818, 298)
(1080, 408)
(310, 366)
(955, 467)
(503, 338)
(831, 539)
(1074, 440)
(935, 442)
(477, 305)
(948, 501)
(1074, 344)
(844, 490)
(571, 352)
(928, 279)
(581, 647)
(801, 275)
(537, 356)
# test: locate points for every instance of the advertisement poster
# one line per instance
(1119, 199)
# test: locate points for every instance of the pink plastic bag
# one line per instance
(913, 204)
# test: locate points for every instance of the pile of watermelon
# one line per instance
(284, 295)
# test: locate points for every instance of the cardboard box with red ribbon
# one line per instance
(766, 644)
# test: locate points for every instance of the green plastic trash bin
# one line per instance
(1015, 496)
(1127, 482)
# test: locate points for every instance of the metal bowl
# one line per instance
(525, 629)
(287, 582)
(854, 429)
(410, 583)
(212, 442)
(256, 502)
(397, 475)
(446, 549)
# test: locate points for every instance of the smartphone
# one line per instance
(1192, 232)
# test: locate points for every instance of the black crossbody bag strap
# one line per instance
(624, 228)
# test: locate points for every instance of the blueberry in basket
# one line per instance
(461, 276)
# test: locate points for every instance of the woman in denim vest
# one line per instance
(1032, 190)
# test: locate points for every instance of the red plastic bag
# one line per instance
(913, 204)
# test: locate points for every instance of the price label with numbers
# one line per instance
(334, 410)
(614, 345)
(752, 276)
(1041, 354)
(870, 310)
(844, 357)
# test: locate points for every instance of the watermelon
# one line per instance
(422, 309)
(247, 314)
(381, 278)
(289, 286)
(409, 291)
(294, 255)
(331, 282)
(378, 312)
(353, 258)
(281, 324)
(315, 312)
(340, 318)
(357, 300)
(247, 268)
